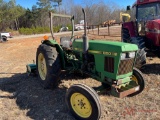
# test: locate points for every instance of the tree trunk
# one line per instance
(16, 23)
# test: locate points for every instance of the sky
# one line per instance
(30, 3)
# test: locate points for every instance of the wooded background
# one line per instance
(16, 17)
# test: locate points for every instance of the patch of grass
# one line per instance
(37, 30)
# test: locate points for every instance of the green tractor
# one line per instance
(111, 63)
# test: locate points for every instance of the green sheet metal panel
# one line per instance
(102, 49)
(106, 46)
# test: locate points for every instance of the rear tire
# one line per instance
(4, 38)
(83, 102)
(139, 41)
(48, 66)
(125, 35)
(140, 58)
(141, 54)
(158, 52)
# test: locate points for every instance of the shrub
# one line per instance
(37, 30)
(69, 27)
(12, 32)
(56, 28)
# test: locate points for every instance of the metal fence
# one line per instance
(109, 30)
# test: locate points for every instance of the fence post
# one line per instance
(92, 29)
(88, 29)
(108, 31)
(98, 29)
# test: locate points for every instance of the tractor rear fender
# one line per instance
(59, 49)
(130, 27)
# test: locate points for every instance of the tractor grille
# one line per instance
(109, 64)
(125, 66)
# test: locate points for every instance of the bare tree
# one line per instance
(77, 12)
(101, 14)
(67, 6)
(59, 2)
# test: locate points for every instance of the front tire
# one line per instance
(4, 38)
(83, 102)
(138, 78)
(48, 66)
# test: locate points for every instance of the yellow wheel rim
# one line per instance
(134, 79)
(42, 69)
(81, 105)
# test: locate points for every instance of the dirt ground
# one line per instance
(22, 97)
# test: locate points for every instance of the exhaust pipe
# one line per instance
(51, 24)
(85, 39)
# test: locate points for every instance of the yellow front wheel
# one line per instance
(81, 105)
(83, 102)
(139, 80)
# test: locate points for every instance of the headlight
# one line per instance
(123, 56)
(132, 54)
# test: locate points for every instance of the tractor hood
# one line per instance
(105, 46)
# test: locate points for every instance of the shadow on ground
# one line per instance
(43, 103)
(40, 103)
(151, 69)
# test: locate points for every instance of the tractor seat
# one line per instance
(65, 42)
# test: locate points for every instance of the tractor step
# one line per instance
(31, 69)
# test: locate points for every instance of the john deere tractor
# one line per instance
(109, 62)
